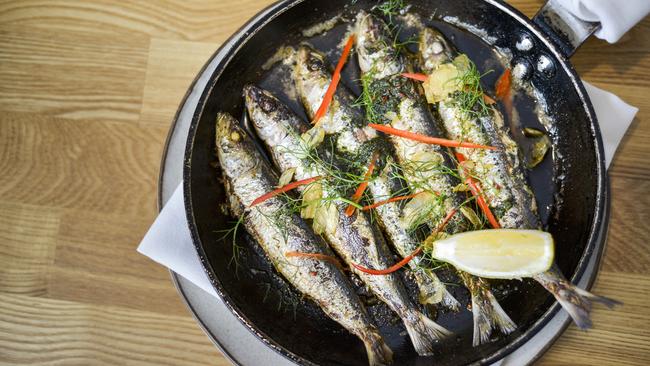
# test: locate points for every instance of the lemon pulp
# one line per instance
(498, 253)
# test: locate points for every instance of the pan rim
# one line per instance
(231, 47)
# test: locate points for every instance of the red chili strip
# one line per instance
(392, 268)
(503, 91)
(503, 85)
(336, 77)
(284, 188)
(478, 193)
(427, 139)
(415, 76)
(393, 199)
(362, 187)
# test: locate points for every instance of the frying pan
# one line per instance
(570, 185)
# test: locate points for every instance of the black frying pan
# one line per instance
(570, 185)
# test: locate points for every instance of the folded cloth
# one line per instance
(616, 17)
(168, 241)
(614, 117)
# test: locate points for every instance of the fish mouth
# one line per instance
(259, 99)
(229, 135)
(224, 125)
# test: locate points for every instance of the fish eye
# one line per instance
(267, 105)
(315, 64)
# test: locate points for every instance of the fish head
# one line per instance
(275, 123)
(231, 140)
(369, 30)
(263, 108)
(312, 78)
(228, 133)
(310, 64)
(434, 49)
(375, 50)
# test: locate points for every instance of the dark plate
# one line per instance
(570, 187)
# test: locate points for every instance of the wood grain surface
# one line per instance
(87, 93)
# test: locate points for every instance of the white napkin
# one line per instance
(168, 241)
(615, 16)
(614, 117)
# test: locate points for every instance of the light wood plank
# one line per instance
(627, 251)
(101, 166)
(171, 67)
(69, 74)
(27, 245)
(199, 20)
(40, 331)
(96, 263)
(619, 337)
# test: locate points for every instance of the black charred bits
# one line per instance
(389, 93)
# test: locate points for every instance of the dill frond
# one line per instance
(236, 248)
(391, 8)
(368, 98)
(470, 98)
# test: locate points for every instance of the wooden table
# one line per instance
(87, 93)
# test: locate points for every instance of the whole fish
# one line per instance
(426, 167)
(353, 238)
(246, 177)
(501, 175)
(357, 142)
(510, 196)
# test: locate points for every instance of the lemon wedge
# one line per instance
(497, 253)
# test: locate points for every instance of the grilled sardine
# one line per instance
(246, 177)
(353, 238)
(501, 175)
(357, 141)
(426, 167)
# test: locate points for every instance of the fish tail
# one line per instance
(379, 354)
(433, 291)
(488, 315)
(577, 302)
(424, 332)
(486, 311)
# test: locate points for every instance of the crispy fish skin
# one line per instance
(502, 177)
(312, 77)
(403, 108)
(353, 238)
(504, 184)
(246, 175)
(424, 165)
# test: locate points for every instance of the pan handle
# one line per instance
(565, 30)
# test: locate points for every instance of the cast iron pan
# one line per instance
(570, 185)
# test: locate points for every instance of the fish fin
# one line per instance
(424, 332)
(433, 291)
(577, 302)
(449, 301)
(488, 315)
(379, 354)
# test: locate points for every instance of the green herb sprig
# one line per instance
(469, 98)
